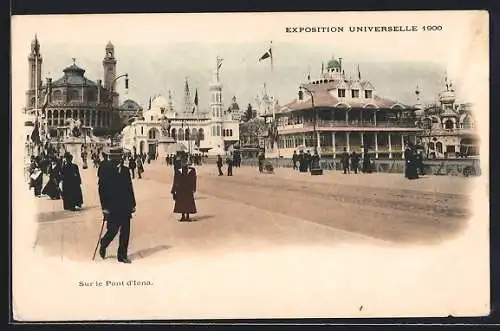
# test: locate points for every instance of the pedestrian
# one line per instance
(117, 198)
(132, 165)
(36, 178)
(183, 189)
(367, 165)
(140, 167)
(71, 181)
(354, 162)
(410, 162)
(344, 160)
(261, 158)
(219, 165)
(294, 160)
(52, 187)
(229, 162)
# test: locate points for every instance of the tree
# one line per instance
(251, 130)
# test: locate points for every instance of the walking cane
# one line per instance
(100, 235)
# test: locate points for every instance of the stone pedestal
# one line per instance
(163, 144)
(73, 146)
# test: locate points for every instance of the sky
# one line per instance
(160, 51)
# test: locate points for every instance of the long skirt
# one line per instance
(184, 203)
(52, 189)
(72, 196)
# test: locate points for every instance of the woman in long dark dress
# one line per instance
(36, 178)
(52, 187)
(183, 189)
(71, 181)
(367, 164)
(410, 166)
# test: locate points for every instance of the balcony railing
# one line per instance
(329, 124)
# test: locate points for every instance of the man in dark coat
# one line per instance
(355, 162)
(262, 157)
(229, 162)
(219, 165)
(71, 181)
(183, 189)
(132, 165)
(117, 198)
(344, 159)
(294, 160)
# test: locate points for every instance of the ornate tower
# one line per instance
(216, 106)
(188, 105)
(35, 74)
(109, 66)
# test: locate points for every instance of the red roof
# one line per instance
(324, 98)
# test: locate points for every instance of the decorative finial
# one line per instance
(74, 60)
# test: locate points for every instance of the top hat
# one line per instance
(115, 151)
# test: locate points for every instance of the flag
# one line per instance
(322, 68)
(149, 107)
(359, 73)
(195, 100)
(266, 55)
(219, 63)
(45, 100)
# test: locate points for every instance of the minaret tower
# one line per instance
(170, 103)
(109, 66)
(188, 106)
(35, 74)
(216, 108)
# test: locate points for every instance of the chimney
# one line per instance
(99, 86)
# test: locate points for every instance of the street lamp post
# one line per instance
(315, 167)
(112, 87)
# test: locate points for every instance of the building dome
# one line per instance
(333, 64)
(130, 105)
(447, 97)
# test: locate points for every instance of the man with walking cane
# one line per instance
(117, 198)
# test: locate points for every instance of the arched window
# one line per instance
(201, 134)
(142, 130)
(174, 134)
(194, 134)
(223, 133)
(32, 102)
(180, 136)
(187, 134)
(218, 131)
(68, 113)
(152, 134)
(73, 95)
(56, 113)
(448, 124)
(49, 117)
(439, 147)
(75, 114)
(230, 132)
(213, 131)
(431, 146)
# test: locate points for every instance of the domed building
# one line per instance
(74, 97)
(448, 127)
(209, 131)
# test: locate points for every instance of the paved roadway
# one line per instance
(283, 244)
(251, 210)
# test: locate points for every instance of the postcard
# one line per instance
(250, 165)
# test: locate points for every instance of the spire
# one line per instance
(170, 103)
(322, 68)
(359, 73)
(187, 97)
(309, 74)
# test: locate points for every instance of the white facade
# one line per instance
(211, 131)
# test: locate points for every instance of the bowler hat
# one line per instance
(114, 151)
